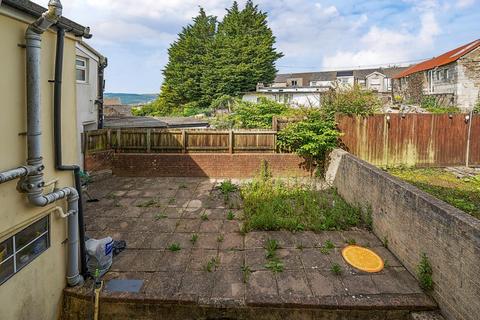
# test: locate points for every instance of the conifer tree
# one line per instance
(242, 53)
(186, 64)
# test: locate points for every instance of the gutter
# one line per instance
(36, 11)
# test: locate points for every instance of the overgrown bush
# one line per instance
(250, 115)
(311, 138)
(289, 205)
(430, 104)
(476, 109)
(351, 100)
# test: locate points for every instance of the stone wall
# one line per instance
(468, 88)
(414, 222)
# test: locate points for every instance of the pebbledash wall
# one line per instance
(414, 222)
(218, 165)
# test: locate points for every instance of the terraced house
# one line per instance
(40, 205)
(453, 78)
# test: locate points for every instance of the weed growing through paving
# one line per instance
(289, 205)
(227, 187)
(174, 247)
(300, 246)
(220, 238)
(271, 248)
(160, 216)
(194, 238)
(148, 203)
(274, 265)
(212, 264)
(246, 271)
(230, 215)
(204, 216)
(351, 241)
(336, 269)
(327, 247)
(183, 186)
(424, 272)
(111, 196)
(385, 242)
(171, 201)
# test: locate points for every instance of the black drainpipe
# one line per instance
(57, 134)
(101, 87)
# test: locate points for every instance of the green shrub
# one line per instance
(430, 104)
(351, 100)
(311, 138)
(249, 115)
(476, 109)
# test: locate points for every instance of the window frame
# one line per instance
(17, 265)
(83, 68)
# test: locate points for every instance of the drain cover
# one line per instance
(362, 258)
(118, 285)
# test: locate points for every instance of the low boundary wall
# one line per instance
(415, 222)
(219, 165)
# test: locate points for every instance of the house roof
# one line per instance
(133, 122)
(446, 58)
(36, 11)
(332, 75)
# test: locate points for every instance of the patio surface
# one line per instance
(151, 214)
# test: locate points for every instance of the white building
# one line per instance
(89, 66)
(305, 89)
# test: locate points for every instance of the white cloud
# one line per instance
(465, 3)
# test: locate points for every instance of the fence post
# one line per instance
(149, 132)
(118, 139)
(230, 141)
(275, 148)
(184, 141)
(109, 139)
(274, 123)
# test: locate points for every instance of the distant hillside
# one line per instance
(131, 98)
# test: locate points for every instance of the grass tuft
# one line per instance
(336, 269)
(174, 247)
(194, 238)
(230, 215)
(424, 273)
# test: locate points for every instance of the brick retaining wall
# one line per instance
(206, 165)
(415, 222)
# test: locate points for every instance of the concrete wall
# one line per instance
(415, 223)
(35, 292)
(199, 164)
(87, 110)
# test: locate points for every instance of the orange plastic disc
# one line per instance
(362, 258)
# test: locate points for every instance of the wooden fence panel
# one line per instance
(166, 141)
(411, 139)
(474, 151)
(249, 141)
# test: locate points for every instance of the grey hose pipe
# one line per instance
(13, 174)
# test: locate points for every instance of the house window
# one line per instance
(81, 65)
(23, 247)
(294, 83)
(446, 74)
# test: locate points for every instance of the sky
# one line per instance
(313, 35)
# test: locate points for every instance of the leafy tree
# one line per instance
(242, 53)
(186, 65)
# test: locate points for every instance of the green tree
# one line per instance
(186, 65)
(241, 55)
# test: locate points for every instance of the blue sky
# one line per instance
(312, 34)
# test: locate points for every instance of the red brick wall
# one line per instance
(206, 165)
(97, 161)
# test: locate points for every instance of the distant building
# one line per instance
(453, 78)
(305, 89)
(89, 65)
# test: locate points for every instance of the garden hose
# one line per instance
(98, 289)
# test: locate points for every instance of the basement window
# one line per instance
(23, 247)
(81, 69)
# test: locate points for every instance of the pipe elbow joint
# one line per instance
(38, 200)
(76, 280)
